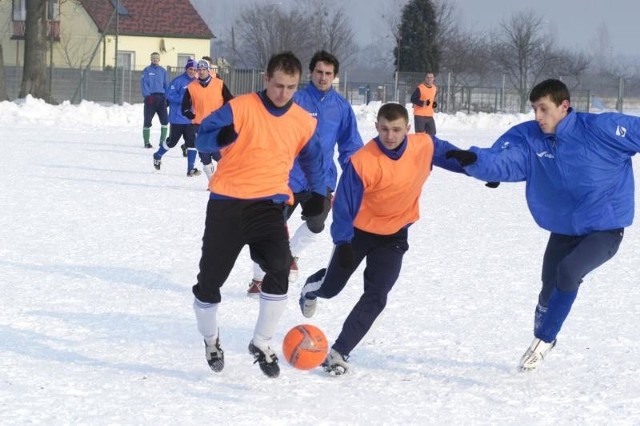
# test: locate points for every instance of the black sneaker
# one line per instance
(194, 172)
(268, 361)
(148, 145)
(156, 163)
(183, 147)
(214, 355)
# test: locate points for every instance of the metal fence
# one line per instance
(119, 86)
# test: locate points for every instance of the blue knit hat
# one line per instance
(190, 64)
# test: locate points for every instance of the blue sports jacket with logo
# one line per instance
(578, 180)
(337, 125)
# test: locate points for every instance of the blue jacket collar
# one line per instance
(395, 153)
(317, 94)
(566, 124)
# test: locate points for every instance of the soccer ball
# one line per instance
(305, 347)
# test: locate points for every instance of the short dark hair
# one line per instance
(392, 111)
(208, 58)
(324, 56)
(286, 62)
(556, 90)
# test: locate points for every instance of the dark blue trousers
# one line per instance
(383, 254)
(186, 131)
(155, 104)
(568, 259)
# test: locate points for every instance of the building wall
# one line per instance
(142, 47)
(79, 39)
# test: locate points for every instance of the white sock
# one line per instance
(208, 170)
(271, 308)
(206, 318)
(302, 238)
(258, 273)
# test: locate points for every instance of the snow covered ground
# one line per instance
(98, 253)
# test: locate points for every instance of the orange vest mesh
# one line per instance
(392, 188)
(205, 100)
(425, 93)
(257, 164)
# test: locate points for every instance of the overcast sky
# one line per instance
(574, 22)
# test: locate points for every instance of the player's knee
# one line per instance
(315, 226)
(568, 281)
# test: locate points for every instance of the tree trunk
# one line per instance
(34, 76)
(3, 87)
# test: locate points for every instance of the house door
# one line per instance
(126, 60)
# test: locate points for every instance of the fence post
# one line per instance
(620, 100)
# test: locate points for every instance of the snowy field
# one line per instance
(98, 253)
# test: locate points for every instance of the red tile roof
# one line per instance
(165, 18)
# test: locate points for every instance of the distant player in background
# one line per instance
(375, 204)
(153, 85)
(203, 96)
(179, 125)
(337, 128)
(424, 105)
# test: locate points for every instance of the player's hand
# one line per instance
(465, 158)
(189, 114)
(227, 135)
(492, 184)
(345, 256)
(314, 206)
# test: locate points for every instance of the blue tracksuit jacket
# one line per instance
(336, 125)
(578, 180)
(155, 79)
(174, 94)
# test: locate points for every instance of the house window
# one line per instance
(53, 10)
(126, 59)
(19, 10)
(183, 58)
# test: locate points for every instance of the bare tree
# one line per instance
(3, 87)
(74, 51)
(570, 66)
(331, 29)
(465, 55)
(34, 76)
(523, 51)
(601, 48)
(266, 29)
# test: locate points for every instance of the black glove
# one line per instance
(227, 135)
(492, 184)
(345, 256)
(465, 158)
(314, 206)
(189, 114)
(435, 105)
(427, 102)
